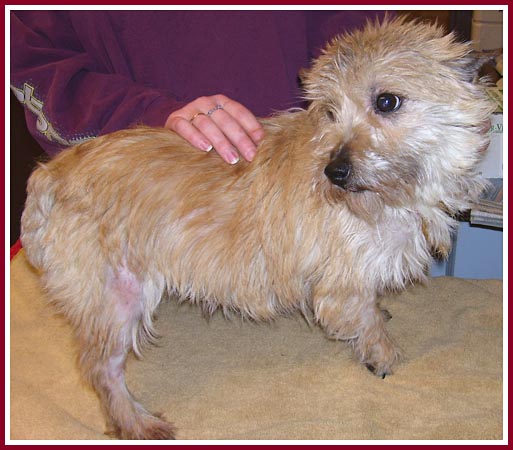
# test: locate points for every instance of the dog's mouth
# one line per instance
(356, 189)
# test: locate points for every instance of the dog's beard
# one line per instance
(374, 183)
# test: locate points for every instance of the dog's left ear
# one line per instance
(475, 66)
(302, 75)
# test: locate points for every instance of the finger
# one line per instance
(235, 133)
(190, 133)
(244, 117)
(222, 145)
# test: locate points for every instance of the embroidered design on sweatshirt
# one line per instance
(27, 98)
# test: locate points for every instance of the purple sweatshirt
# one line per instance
(81, 74)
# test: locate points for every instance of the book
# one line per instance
(488, 210)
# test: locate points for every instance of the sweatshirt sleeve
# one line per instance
(68, 94)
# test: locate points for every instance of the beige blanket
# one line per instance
(220, 379)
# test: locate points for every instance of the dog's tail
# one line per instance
(34, 220)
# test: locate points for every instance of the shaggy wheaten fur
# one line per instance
(345, 200)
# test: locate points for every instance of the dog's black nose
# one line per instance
(338, 172)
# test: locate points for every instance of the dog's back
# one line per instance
(145, 200)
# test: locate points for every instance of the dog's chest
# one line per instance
(390, 252)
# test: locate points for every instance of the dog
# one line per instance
(346, 200)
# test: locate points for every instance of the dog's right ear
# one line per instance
(476, 65)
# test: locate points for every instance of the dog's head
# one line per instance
(401, 116)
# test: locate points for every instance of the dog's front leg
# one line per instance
(357, 319)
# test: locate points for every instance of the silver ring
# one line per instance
(214, 109)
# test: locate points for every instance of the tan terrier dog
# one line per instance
(345, 201)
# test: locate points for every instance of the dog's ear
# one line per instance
(477, 66)
(302, 75)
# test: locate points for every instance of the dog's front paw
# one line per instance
(376, 372)
(378, 357)
(385, 314)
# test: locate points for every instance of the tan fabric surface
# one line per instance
(220, 379)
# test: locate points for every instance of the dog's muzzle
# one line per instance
(339, 170)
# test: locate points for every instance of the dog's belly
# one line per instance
(233, 274)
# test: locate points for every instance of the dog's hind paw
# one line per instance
(146, 428)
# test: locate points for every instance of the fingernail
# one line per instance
(250, 154)
(233, 158)
(258, 135)
(205, 146)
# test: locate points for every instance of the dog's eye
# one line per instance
(388, 102)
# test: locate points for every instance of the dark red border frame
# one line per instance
(378, 4)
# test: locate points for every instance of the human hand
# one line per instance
(220, 123)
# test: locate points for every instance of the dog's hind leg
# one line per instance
(106, 334)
